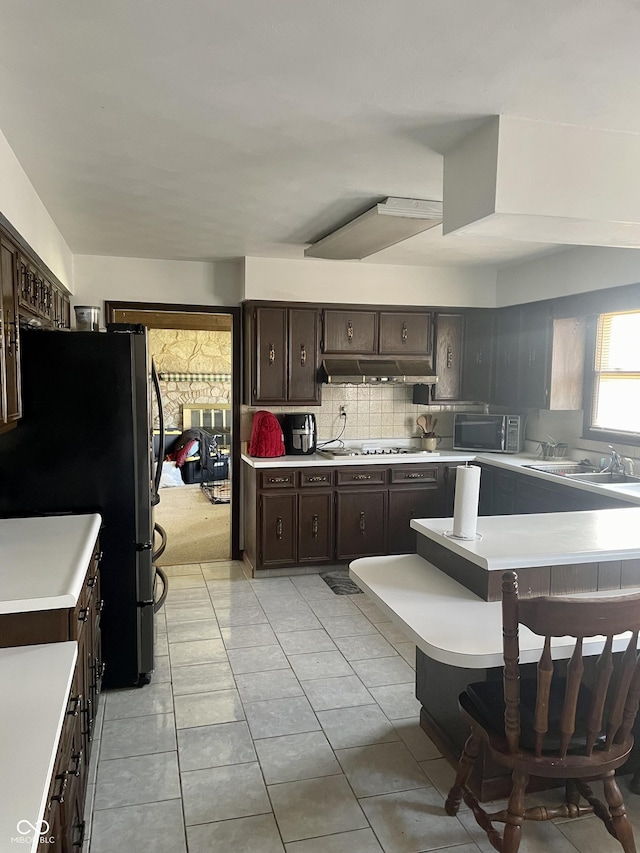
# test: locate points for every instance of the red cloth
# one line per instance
(180, 456)
(266, 435)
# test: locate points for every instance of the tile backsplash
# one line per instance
(388, 412)
(372, 412)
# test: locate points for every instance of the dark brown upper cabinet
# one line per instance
(449, 354)
(402, 333)
(539, 361)
(477, 358)
(10, 402)
(505, 386)
(534, 355)
(354, 332)
(282, 355)
(302, 360)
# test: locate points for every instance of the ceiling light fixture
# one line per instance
(387, 223)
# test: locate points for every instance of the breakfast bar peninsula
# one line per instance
(446, 599)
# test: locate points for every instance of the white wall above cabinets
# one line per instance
(309, 280)
(151, 280)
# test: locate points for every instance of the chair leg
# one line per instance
(515, 812)
(621, 823)
(465, 766)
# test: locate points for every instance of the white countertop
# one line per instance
(445, 620)
(44, 560)
(544, 539)
(35, 683)
(318, 460)
(516, 463)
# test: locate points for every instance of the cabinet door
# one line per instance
(361, 524)
(505, 387)
(448, 490)
(278, 528)
(477, 361)
(533, 356)
(303, 356)
(270, 336)
(405, 504)
(350, 332)
(315, 527)
(448, 362)
(405, 334)
(10, 402)
(504, 493)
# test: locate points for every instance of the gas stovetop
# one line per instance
(375, 450)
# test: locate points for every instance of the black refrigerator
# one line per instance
(84, 445)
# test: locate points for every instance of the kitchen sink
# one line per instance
(562, 469)
(605, 478)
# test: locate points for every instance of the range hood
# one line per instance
(349, 371)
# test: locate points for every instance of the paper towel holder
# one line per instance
(451, 535)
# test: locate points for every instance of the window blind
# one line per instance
(616, 397)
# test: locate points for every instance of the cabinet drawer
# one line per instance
(411, 474)
(317, 478)
(278, 479)
(362, 476)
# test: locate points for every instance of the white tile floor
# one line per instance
(282, 717)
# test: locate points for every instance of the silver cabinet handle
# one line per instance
(272, 354)
(350, 332)
(414, 476)
(314, 527)
(362, 476)
(405, 333)
(303, 355)
(279, 527)
(362, 524)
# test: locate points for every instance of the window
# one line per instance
(615, 402)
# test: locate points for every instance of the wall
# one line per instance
(309, 280)
(100, 278)
(22, 206)
(372, 412)
(576, 270)
(181, 351)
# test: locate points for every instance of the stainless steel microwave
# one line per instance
(491, 433)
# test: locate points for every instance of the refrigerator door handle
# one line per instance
(155, 494)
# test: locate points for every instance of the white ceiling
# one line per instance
(213, 129)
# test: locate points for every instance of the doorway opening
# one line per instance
(196, 350)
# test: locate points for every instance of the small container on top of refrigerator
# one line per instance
(87, 318)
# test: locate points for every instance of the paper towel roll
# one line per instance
(465, 506)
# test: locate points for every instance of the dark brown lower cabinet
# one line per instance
(361, 523)
(278, 529)
(315, 527)
(64, 808)
(405, 504)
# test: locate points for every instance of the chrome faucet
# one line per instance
(616, 462)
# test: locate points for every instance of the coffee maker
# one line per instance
(300, 433)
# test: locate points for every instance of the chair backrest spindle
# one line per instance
(608, 704)
(545, 675)
(511, 672)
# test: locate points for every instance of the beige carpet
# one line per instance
(197, 530)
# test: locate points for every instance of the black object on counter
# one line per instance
(300, 433)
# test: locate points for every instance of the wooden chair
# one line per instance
(556, 725)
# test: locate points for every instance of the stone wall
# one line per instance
(181, 351)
